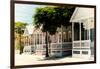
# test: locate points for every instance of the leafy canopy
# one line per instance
(51, 18)
(19, 26)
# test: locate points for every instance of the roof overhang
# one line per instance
(81, 14)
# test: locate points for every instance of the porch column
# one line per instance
(72, 36)
(89, 35)
(61, 38)
(38, 40)
(24, 40)
(80, 32)
(34, 41)
(89, 40)
(27, 40)
(58, 37)
(80, 36)
(42, 40)
(31, 40)
(72, 32)
(30, 43)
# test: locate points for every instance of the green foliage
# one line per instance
(17, 47)
(19, 26)
(50, 18)
(19, 29)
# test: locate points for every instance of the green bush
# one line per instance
(17, 47)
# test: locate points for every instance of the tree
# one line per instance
(19, 29)
(51, 18)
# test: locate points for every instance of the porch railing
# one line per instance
(56, 49)
(81, 48)
(81, 44)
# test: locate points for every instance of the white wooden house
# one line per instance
(78, 39)
(28, 46)
(60, 43)
(82, 32)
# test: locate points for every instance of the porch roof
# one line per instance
(29, 30)
(82, 13)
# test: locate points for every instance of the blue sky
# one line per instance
(24, 12)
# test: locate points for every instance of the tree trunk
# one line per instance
(62, 37)
(20, 43)
(20, 52)
(46, 42)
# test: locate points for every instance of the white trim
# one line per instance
(71, 20)
(81, 19)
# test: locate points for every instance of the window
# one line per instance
(76, 52)
(54, 38)
(53, 51)
(69, 36)
(37, 38)
(84, 33)
(84, 52)
(65, 36)
(57, 51)
(60, 39)
(40, 38)
(44, 46)
(76, 31)
(33, 39)
(92, 34)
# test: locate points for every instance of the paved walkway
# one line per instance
(26, 59)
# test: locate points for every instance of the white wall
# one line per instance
(5, 34)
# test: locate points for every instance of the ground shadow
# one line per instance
(54, 58)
